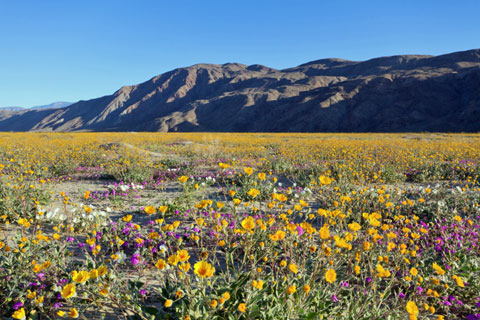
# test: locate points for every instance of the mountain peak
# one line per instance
(328, 62)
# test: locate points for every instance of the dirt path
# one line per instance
(157, 155)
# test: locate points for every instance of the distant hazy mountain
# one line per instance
(12, 108)
(387, 94)
(54, 105)
(7, 112)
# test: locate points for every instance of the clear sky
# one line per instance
(71, 50)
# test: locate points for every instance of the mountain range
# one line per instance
(404, 93)
(53, 105)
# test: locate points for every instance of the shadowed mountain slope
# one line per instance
(387, 94)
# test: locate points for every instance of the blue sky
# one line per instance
(71, 50)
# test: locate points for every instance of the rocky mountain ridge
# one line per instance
(387, 94)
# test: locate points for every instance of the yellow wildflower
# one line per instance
(203, 269)
(330, 276)
(69, 291)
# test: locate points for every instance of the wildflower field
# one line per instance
(239, 226)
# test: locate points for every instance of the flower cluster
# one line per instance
(286, 226)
